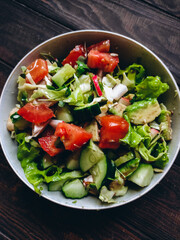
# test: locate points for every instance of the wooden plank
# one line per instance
(170, 7)
(155, 29)
(5, 70)
(22, 29)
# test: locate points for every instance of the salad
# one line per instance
(85, 126)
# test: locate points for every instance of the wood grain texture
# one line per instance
(22, 29)
(170, 7)
(155, 29)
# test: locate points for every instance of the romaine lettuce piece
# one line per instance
(151, 87)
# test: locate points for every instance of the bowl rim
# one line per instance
(113, 34)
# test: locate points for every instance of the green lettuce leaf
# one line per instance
(110, 81)
(132, 75)
(76, 97)
(132, 138)
(28, 154)
(85, 83)
(157, 151)
(22, 96)
(144, 132)
(151, 87)
(56, 95)
(135, 72)
(36, 177)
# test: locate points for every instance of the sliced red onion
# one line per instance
(53, 123)
(38, 128)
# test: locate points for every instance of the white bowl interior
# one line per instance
(129, 52)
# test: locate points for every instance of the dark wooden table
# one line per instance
(23, 25)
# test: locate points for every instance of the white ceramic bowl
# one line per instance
(129, 51)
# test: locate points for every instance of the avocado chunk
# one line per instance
(165, 123)
(118, 109)
(92, 127)
(63, 75)
(144, 111)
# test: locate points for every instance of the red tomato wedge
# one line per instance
(74, 55)
(36, 113)
(38, 70)
(103, 46)
(72, 136)
(48, 145)
(113, 129)
(103, 61)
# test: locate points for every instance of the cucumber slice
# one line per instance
(72, 161)
(56, 186)
(64, 114)
(129, 167)
(19, 122)
(90, 155)
(63, 75)
(74, 189)
(87, 112)
(45, 162)
(99, 172)
(123, 159)
(143, 175)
